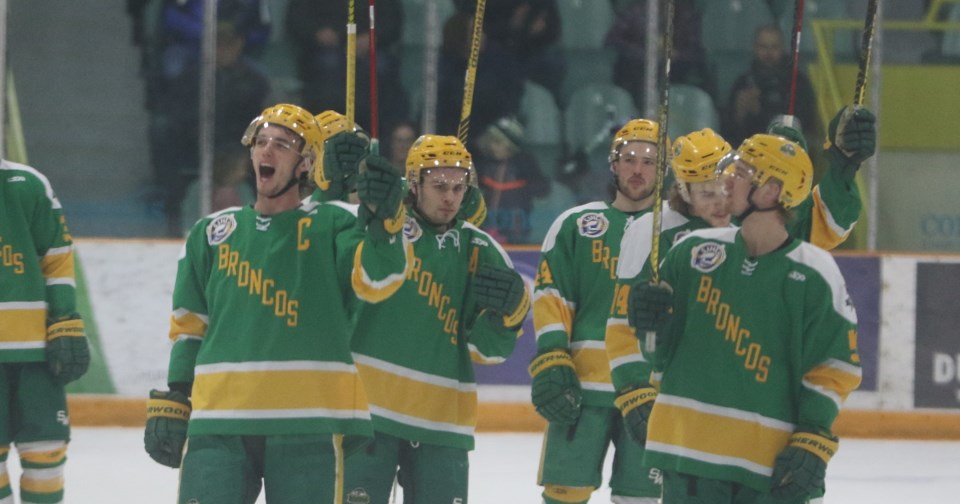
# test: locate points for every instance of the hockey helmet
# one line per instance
(435, 151)
(295, 119)
(637, 130)
(330, 123)
(776, 157)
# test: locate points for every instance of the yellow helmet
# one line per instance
(697, 155)
(434, 151)
(637, 130)
(776, 157)
(295, 119)
(330, 123)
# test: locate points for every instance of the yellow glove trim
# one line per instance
(820, 446)
(549, 360)
(519, 313)
(635, 398)
(394, 224)
(71, 328)
(167, 409)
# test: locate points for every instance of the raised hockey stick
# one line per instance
(374, 112)
(351, 63)
(866, 45)
(662, 155)
(471, 76)
(795, 42)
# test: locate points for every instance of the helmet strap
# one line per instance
(294, 181)
(752, 207)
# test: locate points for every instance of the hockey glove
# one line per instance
(337, 174)
(801, 467)
(788, 127)
(556, 390)
(635, 405)
(501, 292)
(379, 187)
(474, 207)
(168, 413)
(851, 139)
(68, 355)
(649, 306)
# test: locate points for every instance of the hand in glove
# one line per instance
(636, 405)
(801, 467)
(380, 189)
(166, 432)
(501, 292)
(67, 351)
(788, 127)
(555, 390)
(851, 139)
(649, 306)
(336, 174)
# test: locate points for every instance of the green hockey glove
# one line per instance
(801, 467)
(851, 139)
(474, 207)
(380, 189)
(556, 390)
(168, 413)
(649, 306)
(501, 292)
(67, 352)
(636, 405)
(337, 174)
(788, 127)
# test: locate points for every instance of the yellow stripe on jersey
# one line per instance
(590, 358)
(824, 231)
(709, 436)
(23, 325)
(374, 291)
(277, 390)
(184, 322)
(41, 485)
(4, 480)
(833, 378)
(58, 264)
(621, 342)
(551, 312)
(419, 399)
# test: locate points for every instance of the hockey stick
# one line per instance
(471, 76)
(866, 45)
(795, 41)
(662, 156)
(374, 113)
(351, 63)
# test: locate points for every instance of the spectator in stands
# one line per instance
(510, 179)
(319, 29)
(230, 188)
(499, 80)
(628, 36)
(399, 139)
(764, 91)
(241, 90)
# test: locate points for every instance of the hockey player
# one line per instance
(571, 375)
(42, 342)
(755, 338)
(825, 219)
(461, 302)
(261, 328)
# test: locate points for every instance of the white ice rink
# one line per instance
(109, 466)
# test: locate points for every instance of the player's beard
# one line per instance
(624, 189)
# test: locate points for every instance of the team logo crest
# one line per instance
(412, 230)
(707, 257)
(592, 225)
(220, 229)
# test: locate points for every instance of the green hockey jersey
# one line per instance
(36, 263)
(757, 347)
(414, 351)
(574, 289)
(262, 319)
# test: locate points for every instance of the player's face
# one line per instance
(441, 193)
(636, 170)
(276, 158)
(737, 181)
(708, 201)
